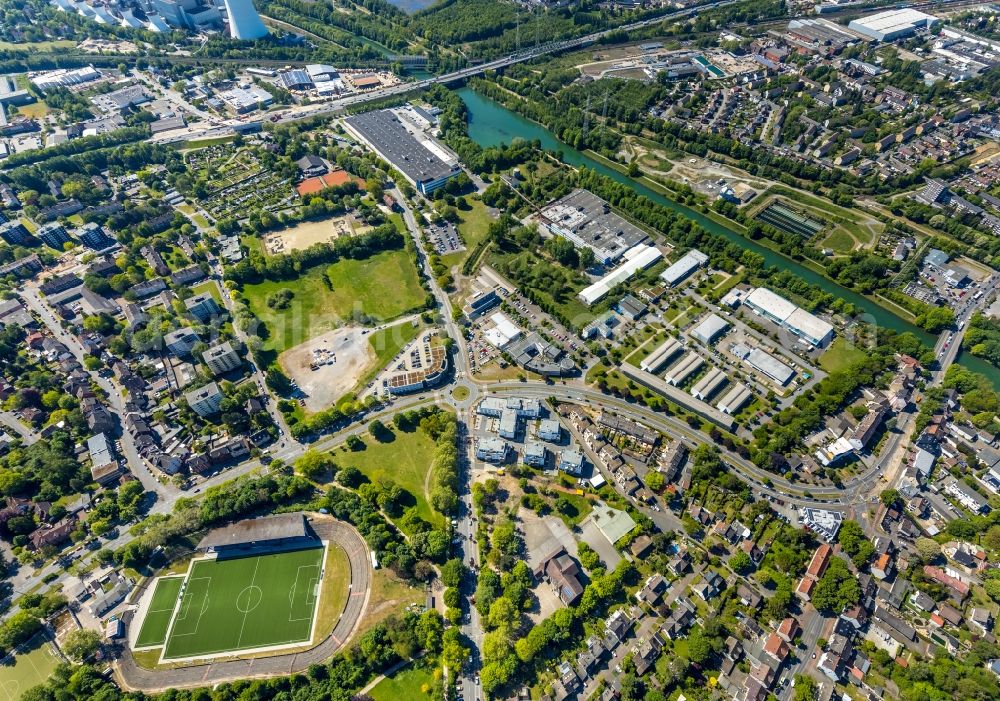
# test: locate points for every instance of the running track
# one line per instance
(133, 677)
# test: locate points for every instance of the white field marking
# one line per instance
(253, 579)
(309, 594)
(188, 596)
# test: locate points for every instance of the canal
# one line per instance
(491, 124)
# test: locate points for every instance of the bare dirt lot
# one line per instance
(341, 357)
(306, 234)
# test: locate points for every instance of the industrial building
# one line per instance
(685, 265)
(709, 384)
(764, 362)
(636, 258)
(65, 77)
(423, 166)
(709, 329)
(734, 399)
(685, 367)
(659, 357)
(803, 324)
(893, 24)
(587, 220)
(503, 331)
(243, 100)
(244, 22)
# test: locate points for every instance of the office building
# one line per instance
(798, 321)
(244, 22)
(205, 400)
(222, 358)
(53, 234)
(420, 161)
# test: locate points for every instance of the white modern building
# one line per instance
(685, 265)
(893, 24)
(710, 327)
(636, 258)
(798, 321)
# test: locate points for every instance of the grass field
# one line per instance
(473, 225)
(405, 460)
(840, 355)
(383, 287)
(30, 666)
(242, 603)
(211, 288)
(407, 683)
(161, 610)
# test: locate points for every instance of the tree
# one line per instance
(836, 589)
(854, 542)
(655, 481)
(740, 562)
(313, 464)
(17, 629)
(805, 688)
(928, 549)
(890, 497)
(81, 644)
(699, 646)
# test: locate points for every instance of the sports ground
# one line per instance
(30, 666)
(235, 604)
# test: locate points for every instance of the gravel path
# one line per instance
(133, 677)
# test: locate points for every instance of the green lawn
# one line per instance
(405, 460)
(246, 602)
(161, 609)
(382, 287)
(839, 240)
(473, 226)
(211, 288)
(32, 665)
(840, 355)
(406, 684)
(36, 46)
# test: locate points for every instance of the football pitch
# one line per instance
(29, 666)
(235, 604)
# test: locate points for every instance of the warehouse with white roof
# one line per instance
(709, 329)
(893, 24)
(685, 265)
(803, 324)
(636, 258)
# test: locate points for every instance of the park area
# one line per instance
(242, 604)
(30, 665)
(415, 681)
(402, 457)
(381, 287)
(841, 355)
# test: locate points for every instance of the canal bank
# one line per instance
(492, 124)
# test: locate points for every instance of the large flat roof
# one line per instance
(808, 324)
(770, 366)
(589, 221)
(257, 530)
(636, 258)
(387, 135)
(771, 303)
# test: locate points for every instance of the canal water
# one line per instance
(492, 124)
